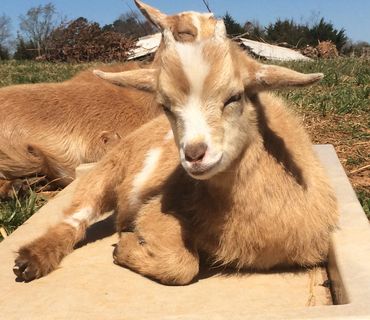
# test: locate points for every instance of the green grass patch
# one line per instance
(21, 72)
(344, 89)
(18, 209)
(364, 198)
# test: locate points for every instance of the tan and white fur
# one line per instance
(51, 128)
(237, 183)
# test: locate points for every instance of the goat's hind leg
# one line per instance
(158, 247)
(95, 195)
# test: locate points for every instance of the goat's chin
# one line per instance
(202, 173)
(203, 176)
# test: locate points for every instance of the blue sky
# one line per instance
(353, 16)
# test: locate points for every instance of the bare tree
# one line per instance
(130, 24)
(37, 25)
(5, 33)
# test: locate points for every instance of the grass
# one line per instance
(364, 198)
(334, 111)
(21, 72)
(18, 209)
(344, 89)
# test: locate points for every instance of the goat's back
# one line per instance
(68, 119)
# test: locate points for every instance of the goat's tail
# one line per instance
(18, 160)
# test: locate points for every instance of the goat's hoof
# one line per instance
(115, 255)
(27, 267)
(25, 270)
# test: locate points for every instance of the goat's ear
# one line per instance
(268, 77)
(142, 79)
(220, 31)
(156, 17)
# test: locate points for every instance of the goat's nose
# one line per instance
(195, 151)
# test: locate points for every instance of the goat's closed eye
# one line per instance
(186, 36)
(232, 99)
(182, 30)
(188, 33)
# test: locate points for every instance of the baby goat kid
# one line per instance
(236, 179)
(51, 128)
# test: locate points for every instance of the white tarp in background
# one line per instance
(149, 44)
(272, 52)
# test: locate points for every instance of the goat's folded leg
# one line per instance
(94, 195)
(158, 247)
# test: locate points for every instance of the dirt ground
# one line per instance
(349, 135)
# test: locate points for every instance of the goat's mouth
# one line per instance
(202, 171)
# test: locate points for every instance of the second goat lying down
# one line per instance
(51, 128)
(236, 179)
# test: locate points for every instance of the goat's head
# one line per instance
(185, 26)
(205, 89)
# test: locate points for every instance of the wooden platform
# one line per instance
(89, 286)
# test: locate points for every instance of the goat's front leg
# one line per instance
(158, 247)
(95, 195)
(44, 254)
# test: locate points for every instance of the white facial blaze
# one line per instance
(195, 67)
(196, 70)
(195, 125)
(150, 164)
(80, 216)
(192, 115)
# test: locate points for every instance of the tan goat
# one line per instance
(50, 129)
(236, 179)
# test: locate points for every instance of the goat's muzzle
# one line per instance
(195, 152)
